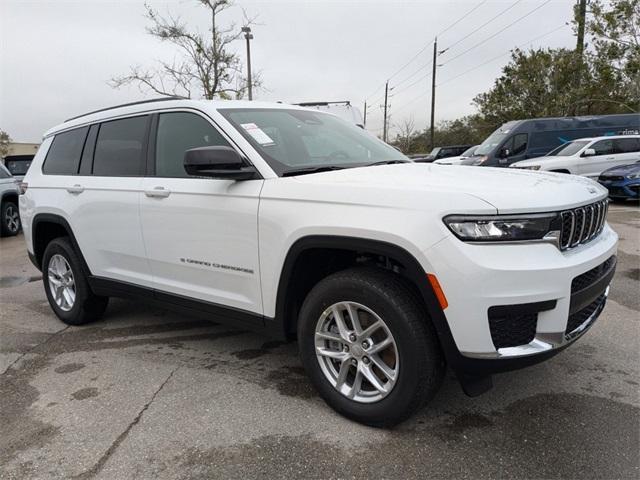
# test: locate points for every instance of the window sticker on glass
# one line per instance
(258, 135)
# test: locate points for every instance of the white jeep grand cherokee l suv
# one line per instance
(295, 223)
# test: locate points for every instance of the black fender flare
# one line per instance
(412, 271)
(59, 220)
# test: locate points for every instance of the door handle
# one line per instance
(76, 189)
(157, 192)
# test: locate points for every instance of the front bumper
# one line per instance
(534, 281)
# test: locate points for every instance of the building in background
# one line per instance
(19, 148)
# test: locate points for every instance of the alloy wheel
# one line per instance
(12, 219)
(356, 352)
(61, 282)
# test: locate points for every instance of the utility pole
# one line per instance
(248, 36)
(364, 121)
(386, 96)
(582, 16)
(433, 89)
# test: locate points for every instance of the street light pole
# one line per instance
(248, 36)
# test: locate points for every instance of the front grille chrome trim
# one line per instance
(586, 224)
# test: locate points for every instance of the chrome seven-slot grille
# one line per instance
(579, 225)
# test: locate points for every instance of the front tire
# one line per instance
(10, 218)
(66, 286)
(380, 368)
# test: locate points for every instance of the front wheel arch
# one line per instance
(411, 271)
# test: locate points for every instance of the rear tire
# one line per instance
(66, 285)
(10, 218)
(415, 356)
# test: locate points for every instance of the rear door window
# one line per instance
(63, 156)
(626, 145)
(120, 148)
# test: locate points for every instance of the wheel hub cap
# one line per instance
(356, 352)
(61, 282)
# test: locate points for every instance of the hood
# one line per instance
(508, 190)
(623, 170)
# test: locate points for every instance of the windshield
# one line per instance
(469, 151)
(291, 140)
(4, 173)
(567, 149)
(491, 143)
(435, 151)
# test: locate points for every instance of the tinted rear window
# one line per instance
(626, 145)
(63, 156)
(119, 147)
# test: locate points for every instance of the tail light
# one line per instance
(23, 187)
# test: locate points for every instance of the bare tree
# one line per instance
(5, 141)
(206, 65)
(407, 131)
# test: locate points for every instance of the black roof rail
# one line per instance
(139, 102)
(316, 104)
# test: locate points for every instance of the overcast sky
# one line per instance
(57, 56)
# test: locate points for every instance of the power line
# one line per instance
(425, 47)
(414, 83)
(438, 34)
(482, 64)
(484, 24)
(497, 33)
(461, 18)
(412, 101)
(503, 54)
(427, 65)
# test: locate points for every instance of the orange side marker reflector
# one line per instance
(437, 289)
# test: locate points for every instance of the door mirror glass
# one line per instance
(217, 162)
(589, 152)
(504, 152)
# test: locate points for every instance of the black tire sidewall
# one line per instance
(413, 352)
(61, 246)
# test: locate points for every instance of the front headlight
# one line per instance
(526, 167)
(473, 228)
(477, 161)
(633, 176)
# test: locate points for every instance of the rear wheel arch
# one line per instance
(10, 197)
(45, 228)
(342, 251)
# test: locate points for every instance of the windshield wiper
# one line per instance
(303, 171)
(386, 162)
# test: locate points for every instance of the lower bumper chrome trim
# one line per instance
(543, 342)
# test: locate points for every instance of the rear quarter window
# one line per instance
(626, 145)
(63, 156)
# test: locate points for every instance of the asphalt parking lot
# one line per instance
(147, 393)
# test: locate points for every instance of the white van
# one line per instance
(342, 109)
(588, 157)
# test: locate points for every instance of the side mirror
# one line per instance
(217, 162)
(504, 152)
(589, 152)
